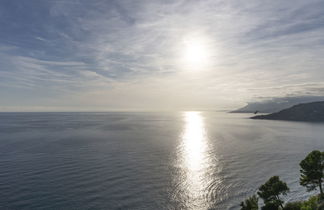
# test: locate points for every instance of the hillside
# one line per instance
(310, 112)
(276, 104)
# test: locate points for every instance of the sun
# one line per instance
(196, 53)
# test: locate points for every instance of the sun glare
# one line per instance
(194, 140)
(196, 53)
(195, 160)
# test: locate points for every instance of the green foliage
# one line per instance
(250, 204)
(312, 171)
(310, 204)
(320, 206)
(270, 191)
(270, 206)
(293, 205)
(312, 176)
(307, 208)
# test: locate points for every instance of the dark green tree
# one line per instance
(250, 204)
(294, 205)
(312, 171)
(270, 206)
(270, 192)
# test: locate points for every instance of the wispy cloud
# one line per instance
(125, 54)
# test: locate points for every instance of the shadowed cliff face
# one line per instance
(311, 112)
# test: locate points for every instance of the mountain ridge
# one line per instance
(276, 104)
(307, 112)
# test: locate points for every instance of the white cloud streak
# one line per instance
(125, 55)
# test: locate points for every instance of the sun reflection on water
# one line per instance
(194, 161)
(194, 141)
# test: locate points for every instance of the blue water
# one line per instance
(179, 160)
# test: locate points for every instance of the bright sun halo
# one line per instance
(196, 54)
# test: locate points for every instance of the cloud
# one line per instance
(126, 54)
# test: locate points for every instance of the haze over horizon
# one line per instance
(157, 55)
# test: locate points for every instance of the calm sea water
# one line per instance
(181, 160)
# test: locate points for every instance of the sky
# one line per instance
(101, 55)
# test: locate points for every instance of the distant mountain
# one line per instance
(276, 104)
(263, 107)
(310, 112)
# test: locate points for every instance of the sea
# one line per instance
(147, 160)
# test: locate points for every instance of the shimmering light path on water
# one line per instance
(195, 161)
